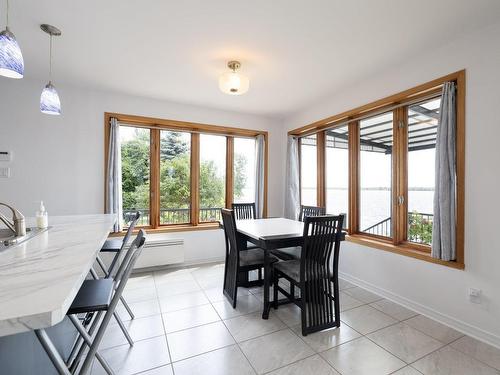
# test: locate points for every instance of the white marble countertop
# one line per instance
(40, 278)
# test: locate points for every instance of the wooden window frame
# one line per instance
(155, 125)
(398, 104)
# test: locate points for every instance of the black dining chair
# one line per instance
(315, 274)
(245, 211)
(239, 261)
(290, 253)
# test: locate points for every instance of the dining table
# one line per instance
(270, 234)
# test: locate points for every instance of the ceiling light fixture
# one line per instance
(49, 100)
(11, 58)
(233, 83)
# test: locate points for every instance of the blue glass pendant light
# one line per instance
(11, 58)
(49, 100)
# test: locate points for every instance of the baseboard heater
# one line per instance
(157, 253)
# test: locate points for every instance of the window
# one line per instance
(422, 127)
(337, 171)
(135, 151)
(212, 176)
(308, 169)
(175, 174)
(244, 170)
(375, 177)
(180, 174)
(376, 163)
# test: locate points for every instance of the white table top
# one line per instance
(40, 278)
(273, 228)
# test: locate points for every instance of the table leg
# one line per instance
(267, 279)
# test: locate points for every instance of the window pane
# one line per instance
(308, 170)
(212, 176)
(135, 146)
(175, 174)
(422, 123)
(337, 171)
(244, 170)
(375, 174)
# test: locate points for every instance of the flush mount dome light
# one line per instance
(233, 83)
(11, 58)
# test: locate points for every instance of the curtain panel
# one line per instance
(444, 224)
(114, 176)
(259, 175)
(292, 193)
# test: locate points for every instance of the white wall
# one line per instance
(439, 291)
(61, 159)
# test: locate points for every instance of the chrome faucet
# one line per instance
(18, 223)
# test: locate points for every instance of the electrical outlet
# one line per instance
(475, 295)
(4, 172)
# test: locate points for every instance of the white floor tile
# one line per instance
(366, 319)
(245, 305)
(183, 301)
(177, 287)
(198, 340)
(362, 295)
(289, 314)
(163, 370)
(393, 309)
(362, 357)
(326, 339)
(226, 361)
(140, 309)
(189, 318)
(252, 325)
(478, 350)
(348, 302)
(143, 280)
(217, 294)
(408, 370)
(267, 353)
(314, 365)
(139, 294)
(434, 329)
(144, 355)
(405, 342)
(452, 362)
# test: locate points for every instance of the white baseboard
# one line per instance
(454, 323)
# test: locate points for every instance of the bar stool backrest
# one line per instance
(130, 229)
(244, 211)
(123, 274)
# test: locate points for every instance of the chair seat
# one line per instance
(94, 295)
(291, 268)
(112, 245)
(253, 257)
(288, 253)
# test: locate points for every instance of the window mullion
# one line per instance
(154, 187)
(321, 170)
(399, 173)
(229, 171)
(195, 178)
(353, 139)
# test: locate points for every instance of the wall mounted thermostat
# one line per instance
(5, 156)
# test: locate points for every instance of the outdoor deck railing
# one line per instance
(174, 215)
(419, 227)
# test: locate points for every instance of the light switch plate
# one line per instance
(4, 172)
(5, 156)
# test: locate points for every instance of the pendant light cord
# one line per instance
(7, 15)
(50, 59)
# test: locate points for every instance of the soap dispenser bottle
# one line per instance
(42, 218)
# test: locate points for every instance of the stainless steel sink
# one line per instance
(8, 239)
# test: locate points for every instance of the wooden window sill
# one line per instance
(402, 250)
(173, 228)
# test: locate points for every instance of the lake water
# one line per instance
(375, 204)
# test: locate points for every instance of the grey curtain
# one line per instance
(444, 224)
(292, 194)
(259, 175)
(114, 176)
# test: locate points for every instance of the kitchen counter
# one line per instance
(40, 278)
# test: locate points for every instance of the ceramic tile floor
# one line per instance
(185, 326)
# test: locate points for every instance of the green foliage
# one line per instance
(419, 228)
(174, 174)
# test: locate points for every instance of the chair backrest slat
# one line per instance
(244, 211)
(306, 211)
(232, 255)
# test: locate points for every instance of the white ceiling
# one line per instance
(294, 51)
